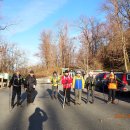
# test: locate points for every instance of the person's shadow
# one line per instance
(37, 119)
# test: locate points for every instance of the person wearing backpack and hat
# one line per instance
(66, 81)
(90, 85)
(16, 82)
(55, 79)
(112, 87)
(78, 85)
(30, 84)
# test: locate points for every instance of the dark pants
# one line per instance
(67, 94)
(16, 91)
(111, 94)
(90, 92)
(29, 96)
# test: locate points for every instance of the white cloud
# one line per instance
(35, 12)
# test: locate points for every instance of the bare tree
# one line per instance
(118, 13)
(66, 46)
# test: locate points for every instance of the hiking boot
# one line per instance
(79, 103)
(18, 103)
(75, 103)
(92, 101)
(108, 102)
(12, 104)
(114, 102)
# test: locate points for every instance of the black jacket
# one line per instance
(16, 81)
(30, 82)
(90, 82)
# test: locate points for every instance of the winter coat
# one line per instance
(66, 81)
(78, 82)
(30, 82)
(55, 81)
(16, 81)
(90, 82)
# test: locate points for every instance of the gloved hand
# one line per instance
(34, 86)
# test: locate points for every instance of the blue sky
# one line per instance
(31, 17)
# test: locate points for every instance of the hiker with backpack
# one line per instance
(30, 85)
(66, 81)
(90, 84)
(16, 82)
(78, 85)
(55, 79)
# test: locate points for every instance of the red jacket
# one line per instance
(66, 81)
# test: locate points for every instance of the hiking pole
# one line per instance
(64, 99)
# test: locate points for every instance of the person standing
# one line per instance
(66, 81)
(30, 84)
(112, 87)
(16, 82)
(78, 85)
(55, 79)
(90, 83)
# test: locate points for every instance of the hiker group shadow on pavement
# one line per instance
(60, 95)
(37, 119)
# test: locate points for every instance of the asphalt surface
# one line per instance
(48, 114)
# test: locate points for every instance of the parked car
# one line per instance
(101, 81)
(123, 82)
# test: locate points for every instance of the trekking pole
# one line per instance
(64, 99)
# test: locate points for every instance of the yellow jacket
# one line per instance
(55, 81)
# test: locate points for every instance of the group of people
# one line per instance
(17, 81)
(78, 83)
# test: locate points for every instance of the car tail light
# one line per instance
(105, 76)
(125, 89)
(124, 79)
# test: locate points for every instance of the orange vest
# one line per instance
(112, 86)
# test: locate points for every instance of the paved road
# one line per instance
(47, 114)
